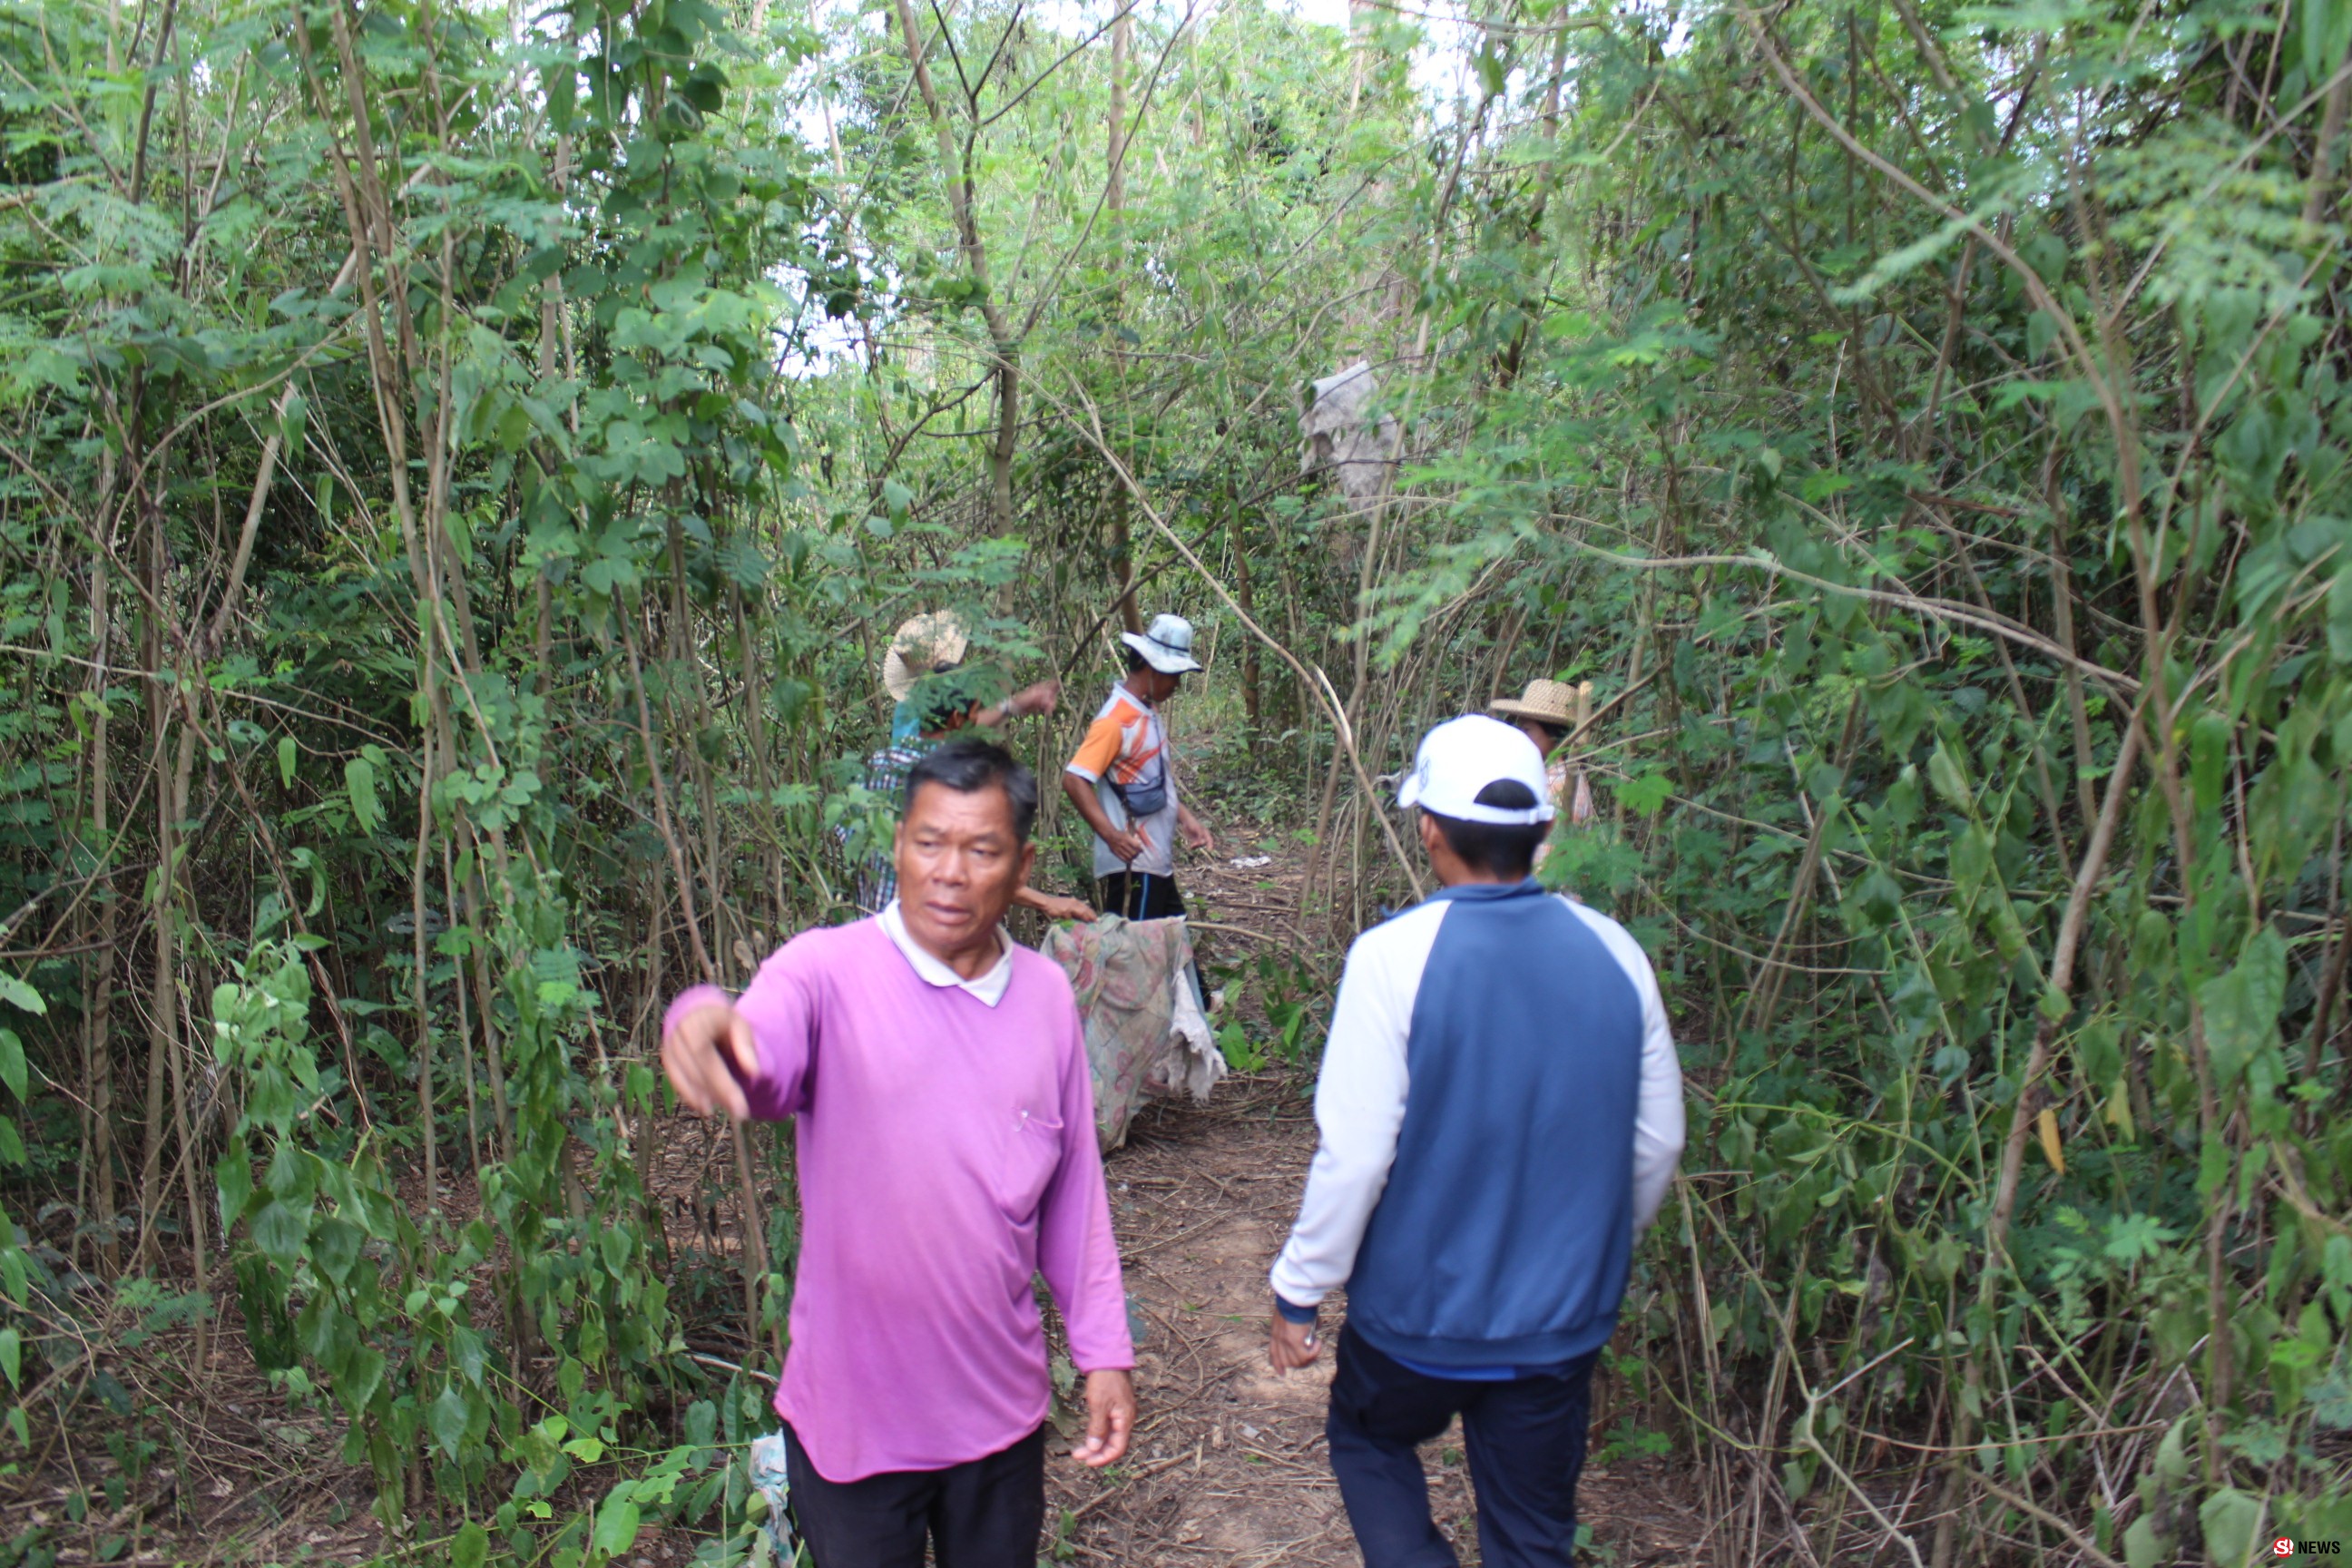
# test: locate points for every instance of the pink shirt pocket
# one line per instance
(1032, 1153)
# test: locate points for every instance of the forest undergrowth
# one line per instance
(460, 465)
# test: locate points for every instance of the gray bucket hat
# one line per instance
(1167, 647)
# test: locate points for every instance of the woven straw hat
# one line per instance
(922, 647)
(1550, 703)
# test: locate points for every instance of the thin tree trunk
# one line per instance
(648, 1146)
(955, 170)
(2323, 157)
(763, 781)
(2324, 1016)
(418, 957)
(1122, 543)
(465, 1024)
(99, 1036)
(493, 1052)
(163, 1000)
(2062, 615)
(192, 1166)
(1252, 699)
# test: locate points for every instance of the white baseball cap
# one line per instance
(1462, 757)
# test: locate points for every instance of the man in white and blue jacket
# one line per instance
(1501, 1111)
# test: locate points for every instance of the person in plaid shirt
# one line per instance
(926, 656)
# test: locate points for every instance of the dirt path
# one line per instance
(1229, 1466)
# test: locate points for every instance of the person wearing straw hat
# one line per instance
(1500, 1114)
(1122, 784)
(1548, 712)
(936, 696)
(935, 645)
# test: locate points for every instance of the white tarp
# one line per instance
(1341, 439)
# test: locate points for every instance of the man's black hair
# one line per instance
(968, 765)
(1497, 848)
(1553, 734)
(1135, 661)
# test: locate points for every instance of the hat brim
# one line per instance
(1510, 707)
(1159, 658)
(943, 636)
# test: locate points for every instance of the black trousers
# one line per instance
(1525, 1442)
(984, 1513)
(1139, 896)
(1148, 895)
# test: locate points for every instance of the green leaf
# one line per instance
(2096, 1047)
(2326, 30)
(2131, 1237)
(358, 779)
(2241, 1008)
(617, 1524)
(587, 1450)
(2231, 1518)
(286, 753)
(16, 993)
(2171, 1463)
(472, 1547)
(335, 1247)
(362, 1375)
(2209, 757)
(1492, 71)
(467, 1353)
(2339, 613)
(279, 1230)
(1945, 772)
(2142, 1546)
(12, 1357)
(446, 1418)
(1645, 794)
(1241, 1052)
(11, 1062)
(235, 1174)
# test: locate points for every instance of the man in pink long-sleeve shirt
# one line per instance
(938, 1071)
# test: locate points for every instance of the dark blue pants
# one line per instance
(1525, 1444)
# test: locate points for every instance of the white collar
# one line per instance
(989, 987)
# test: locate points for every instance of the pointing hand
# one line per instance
(710, 1058)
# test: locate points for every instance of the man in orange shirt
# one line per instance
(1121, 783)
